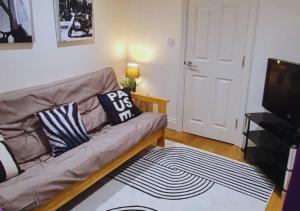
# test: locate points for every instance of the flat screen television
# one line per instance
(282, 90)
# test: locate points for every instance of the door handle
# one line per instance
(190, 64)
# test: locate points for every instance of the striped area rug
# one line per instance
(182, 178)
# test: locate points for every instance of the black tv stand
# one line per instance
(289, 129)
(272, 147)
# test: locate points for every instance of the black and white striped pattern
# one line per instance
(132, 208)
(8, 166)
(179, 173)
(64, 128)
(160, 181)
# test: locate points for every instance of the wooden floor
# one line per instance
(223, 149)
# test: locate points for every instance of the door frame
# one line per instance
(238, 136)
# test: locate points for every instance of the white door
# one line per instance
(217, 32)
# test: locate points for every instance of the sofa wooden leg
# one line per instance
(161, 141)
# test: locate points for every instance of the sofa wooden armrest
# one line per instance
(146, 103)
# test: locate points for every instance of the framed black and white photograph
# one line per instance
(15, 21)
(74, 20)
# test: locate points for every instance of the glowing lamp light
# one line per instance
(120, 50)
(141, 53)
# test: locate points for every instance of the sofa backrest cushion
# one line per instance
(20, 128)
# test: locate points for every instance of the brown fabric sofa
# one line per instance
(44, 177)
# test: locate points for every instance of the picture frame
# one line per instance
(74, 20)
(16, 24)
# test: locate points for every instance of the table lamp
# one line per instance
(132, 73)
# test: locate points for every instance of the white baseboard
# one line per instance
(172, 123)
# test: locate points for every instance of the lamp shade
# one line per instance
(133, 70)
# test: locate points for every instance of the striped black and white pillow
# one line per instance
(64, 128)
(8, 165)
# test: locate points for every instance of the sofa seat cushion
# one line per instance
(45, 179)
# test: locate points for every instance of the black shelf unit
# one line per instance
(272, 147)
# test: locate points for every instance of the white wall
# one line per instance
(24, 65)
(277, 36)
(151, 24)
